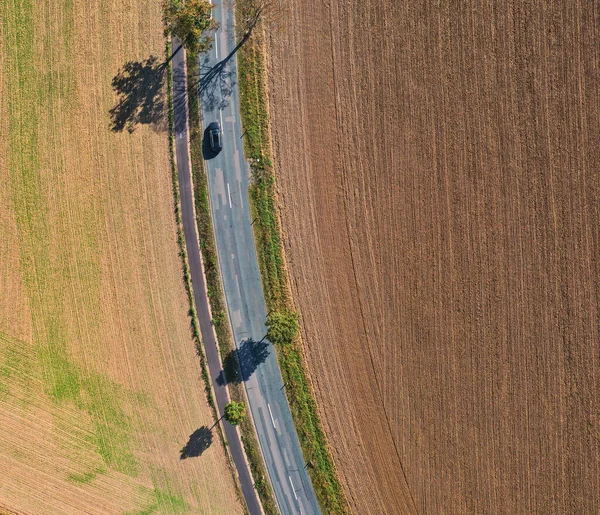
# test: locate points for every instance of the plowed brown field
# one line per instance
(439, 175)
(100, 385)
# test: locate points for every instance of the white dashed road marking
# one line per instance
(292, 485)
(272, 419)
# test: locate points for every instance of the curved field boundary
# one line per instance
(263, 203)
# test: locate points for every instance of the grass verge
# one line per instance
(215, 290)
(267, 232)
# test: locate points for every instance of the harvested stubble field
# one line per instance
(100, 385)
(439, 176)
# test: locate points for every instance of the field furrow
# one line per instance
(438, 174)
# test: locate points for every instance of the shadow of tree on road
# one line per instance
(141, 92)
(140, 87)
(241, 363)
(180, 99)
(215, 84)
(199, 441)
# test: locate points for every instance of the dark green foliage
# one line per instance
(235, 412)
(282, 326)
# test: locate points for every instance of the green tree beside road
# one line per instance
(282, 326)
(190, 22)
(235, 412)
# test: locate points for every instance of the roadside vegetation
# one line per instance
(235, 412)
(282, 327)
(191, 22)
(283, 320)
(267, 231)
(216, 295)
(195, 135)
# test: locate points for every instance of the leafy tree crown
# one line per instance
(190, 22)
(235, 412)
(282, 326)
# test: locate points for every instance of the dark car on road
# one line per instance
(214, 137)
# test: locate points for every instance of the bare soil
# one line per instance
(100, 385)
(439, 174)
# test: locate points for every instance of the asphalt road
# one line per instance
(200, 296)
(228, 182)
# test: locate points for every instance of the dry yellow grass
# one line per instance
(100, 387)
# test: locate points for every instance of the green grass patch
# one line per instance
(215, 290)
(102, 399)
(86, 477)
(23, 94)
(267, 232)
(30, 372)
(33, 92)
(112, 427)
(162, 501)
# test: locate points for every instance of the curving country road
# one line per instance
(228, 176)
(182, 154)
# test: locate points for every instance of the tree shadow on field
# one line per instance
(141, 91)
(241, 363)
(199, 441)
(140, 87)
